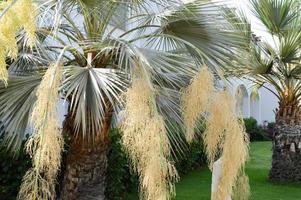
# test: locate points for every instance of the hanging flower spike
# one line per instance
(28, 10)
(213, 136)
(16, 15)
(195, 100)
(145, 139)
(3, 71)
(46, 143)
(225, 137)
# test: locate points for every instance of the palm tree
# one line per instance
(102, 47)
(275, 64)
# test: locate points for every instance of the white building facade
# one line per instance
(262, 108)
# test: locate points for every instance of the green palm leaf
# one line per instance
(16, 103)
(91, 93)
(276, 15)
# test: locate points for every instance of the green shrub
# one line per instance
(189, 156)
(256, 132)
(121, 180)
(270, 129)
(119, 177)
(192, 158)
(12, 170)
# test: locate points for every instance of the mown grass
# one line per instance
(196, 185)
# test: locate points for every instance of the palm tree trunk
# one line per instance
(286, 160)
(85, 165)
(288, 114)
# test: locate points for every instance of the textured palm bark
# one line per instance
(286, 160)
(86, 165)
(288, 114)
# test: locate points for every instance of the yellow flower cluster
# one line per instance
(224, 136)
(195, 100)
(145, 139)
(16, 15)
(46, 144)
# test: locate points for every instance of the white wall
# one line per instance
(269, 103)
(262, 109)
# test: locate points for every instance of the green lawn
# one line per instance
(196, 185)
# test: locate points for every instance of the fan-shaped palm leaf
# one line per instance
(16, 103)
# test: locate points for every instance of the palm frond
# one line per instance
(296, 72)
(276, 15)
(206, 32)
(168, 68)
(16, 103)
(92, 92)
(289, 47)
(168, 104)
(29, 60)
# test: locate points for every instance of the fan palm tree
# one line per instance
(102, 46)
(276, 64)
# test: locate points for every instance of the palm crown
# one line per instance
(165, 45)
(277, 62)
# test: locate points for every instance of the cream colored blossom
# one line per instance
(45, 145)
(224, 136)
(20, 15)
(145, 139)
(195, 100)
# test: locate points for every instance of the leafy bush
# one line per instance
(119, 178)
(270, 129)
(256, 132)
(189, 156)
(12, 170)
(193, 157)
